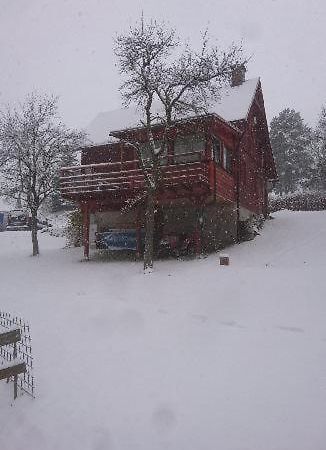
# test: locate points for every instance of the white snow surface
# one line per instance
(4, 205)
(193, 356)
(236, 101)
(234, 104)
(105, 122)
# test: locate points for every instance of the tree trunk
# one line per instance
(34, 234)
(168, 113)
(19, 201)
(149, 228)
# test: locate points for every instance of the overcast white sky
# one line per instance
(65, 47)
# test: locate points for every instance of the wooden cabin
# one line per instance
(215, 173)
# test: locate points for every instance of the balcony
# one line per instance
(126, 179)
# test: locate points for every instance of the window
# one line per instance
(147, 153)
(217, 151)
(222, 155)
(188, 148)
(227, 160)
(163, 159)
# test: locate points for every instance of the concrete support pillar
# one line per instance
(85, 212)
(198, 231)
(138, 231)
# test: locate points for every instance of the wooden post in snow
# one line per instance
(198, 230)
(138, 232)
(85, 212)
(224, 259)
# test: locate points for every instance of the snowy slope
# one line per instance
(194, 356)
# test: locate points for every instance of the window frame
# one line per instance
(227, 159)
(163, 157)
(194, 155)
(220, 159)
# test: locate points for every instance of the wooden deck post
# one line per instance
(85, 211)
(138, 232)
(265, 200)
(198, 231)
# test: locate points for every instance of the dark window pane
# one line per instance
(227, 160)
(217, 151)
(188, 148)
(146, 154)
(146, 151)
(161, 150)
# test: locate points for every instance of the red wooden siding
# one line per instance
(256, 160)
(112, 173)
(225, 185)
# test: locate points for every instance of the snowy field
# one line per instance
(192, 357)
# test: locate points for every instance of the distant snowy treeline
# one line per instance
(300, 153)
(298, 201)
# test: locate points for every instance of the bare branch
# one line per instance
(34, 145)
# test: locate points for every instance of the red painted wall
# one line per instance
(256, 159)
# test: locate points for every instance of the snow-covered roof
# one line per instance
(236, 101)
(234, 104)
(98, 130)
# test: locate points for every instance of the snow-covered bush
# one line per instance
(74, 230)
(249, 228)
(299, 201)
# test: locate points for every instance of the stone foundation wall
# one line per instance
(218, 228)
(218, 224)
(180, 219)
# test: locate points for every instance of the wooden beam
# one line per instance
(12, 370)
(10, 337)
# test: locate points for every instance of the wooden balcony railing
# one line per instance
(104, 178)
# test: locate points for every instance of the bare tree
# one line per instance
(157, 70)
(141, 54)
(195, 78)
(34, 145)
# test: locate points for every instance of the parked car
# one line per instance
(20, 220)
(3, 220)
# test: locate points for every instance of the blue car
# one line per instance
(3, 220)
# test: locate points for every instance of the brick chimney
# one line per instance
(238, 75)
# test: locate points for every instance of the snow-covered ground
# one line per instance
(195, 356)
(4, 205)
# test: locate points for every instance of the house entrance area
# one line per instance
(185, 229)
